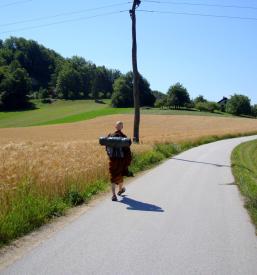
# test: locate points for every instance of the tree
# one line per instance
(86, 69)
(199, 98)
(158, 95)
(238, 105)
(102, 83)
(254, 110)
(177, 96)
(123, 92)
(69, 83)
(15, 86)
(161, 102)
(37, 60)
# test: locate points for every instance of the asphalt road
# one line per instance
(184, 217)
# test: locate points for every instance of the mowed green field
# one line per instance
(244, 164)
(58, 112)
(77, 110)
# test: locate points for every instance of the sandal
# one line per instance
(114, 198)
(121, 191)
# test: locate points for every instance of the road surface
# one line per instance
(186, 216)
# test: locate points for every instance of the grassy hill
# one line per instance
(77, 110)
(58, 112)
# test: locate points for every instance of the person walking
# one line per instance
(119, 161)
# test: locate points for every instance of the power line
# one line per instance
(62, 14)
(15, 3)
(200, 14)
(200, 4)
(64, 21)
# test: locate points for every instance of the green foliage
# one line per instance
(207, 106)
(254, 110)
(238, 105)
(244, 166)
(123, 92)
(28, 212)
(145, 160)
(158, 95)
(69, 83)
(71, 78)
(74, 197)
(199, 98)
(161, 102)
(39, 62)
(93, 189)
(177, 96)
(14, 87)
(60, 111)
(167, 149)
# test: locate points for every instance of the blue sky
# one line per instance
(214, 57)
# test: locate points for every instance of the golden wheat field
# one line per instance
(52, 157)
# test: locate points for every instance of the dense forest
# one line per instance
(29, 70)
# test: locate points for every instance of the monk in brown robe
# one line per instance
(118, 165)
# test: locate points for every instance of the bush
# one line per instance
(74, 197)
(207, 106)
(161, 102)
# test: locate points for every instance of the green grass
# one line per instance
(58, 112)
(244, 163)
(69, 111)
(88, 115)
(30, 210)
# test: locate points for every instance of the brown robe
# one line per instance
(118, 167)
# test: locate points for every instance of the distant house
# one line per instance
(223, 103)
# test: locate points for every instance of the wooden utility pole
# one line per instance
(132, 12)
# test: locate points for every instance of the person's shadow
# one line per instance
(140, 206)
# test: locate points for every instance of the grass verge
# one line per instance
(244, 166)
(29, 210)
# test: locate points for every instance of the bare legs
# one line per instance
(114, 185)
(113, 189)
(120, 186)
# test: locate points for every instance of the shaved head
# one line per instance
(119, 125)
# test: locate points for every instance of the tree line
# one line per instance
(178, 97)
(29, 70)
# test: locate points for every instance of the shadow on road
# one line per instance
(140, 206)
(208, 163)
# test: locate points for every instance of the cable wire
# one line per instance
(200, 4)
(200, 14)
(14, 3)
(62, 14)
(64, 21)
